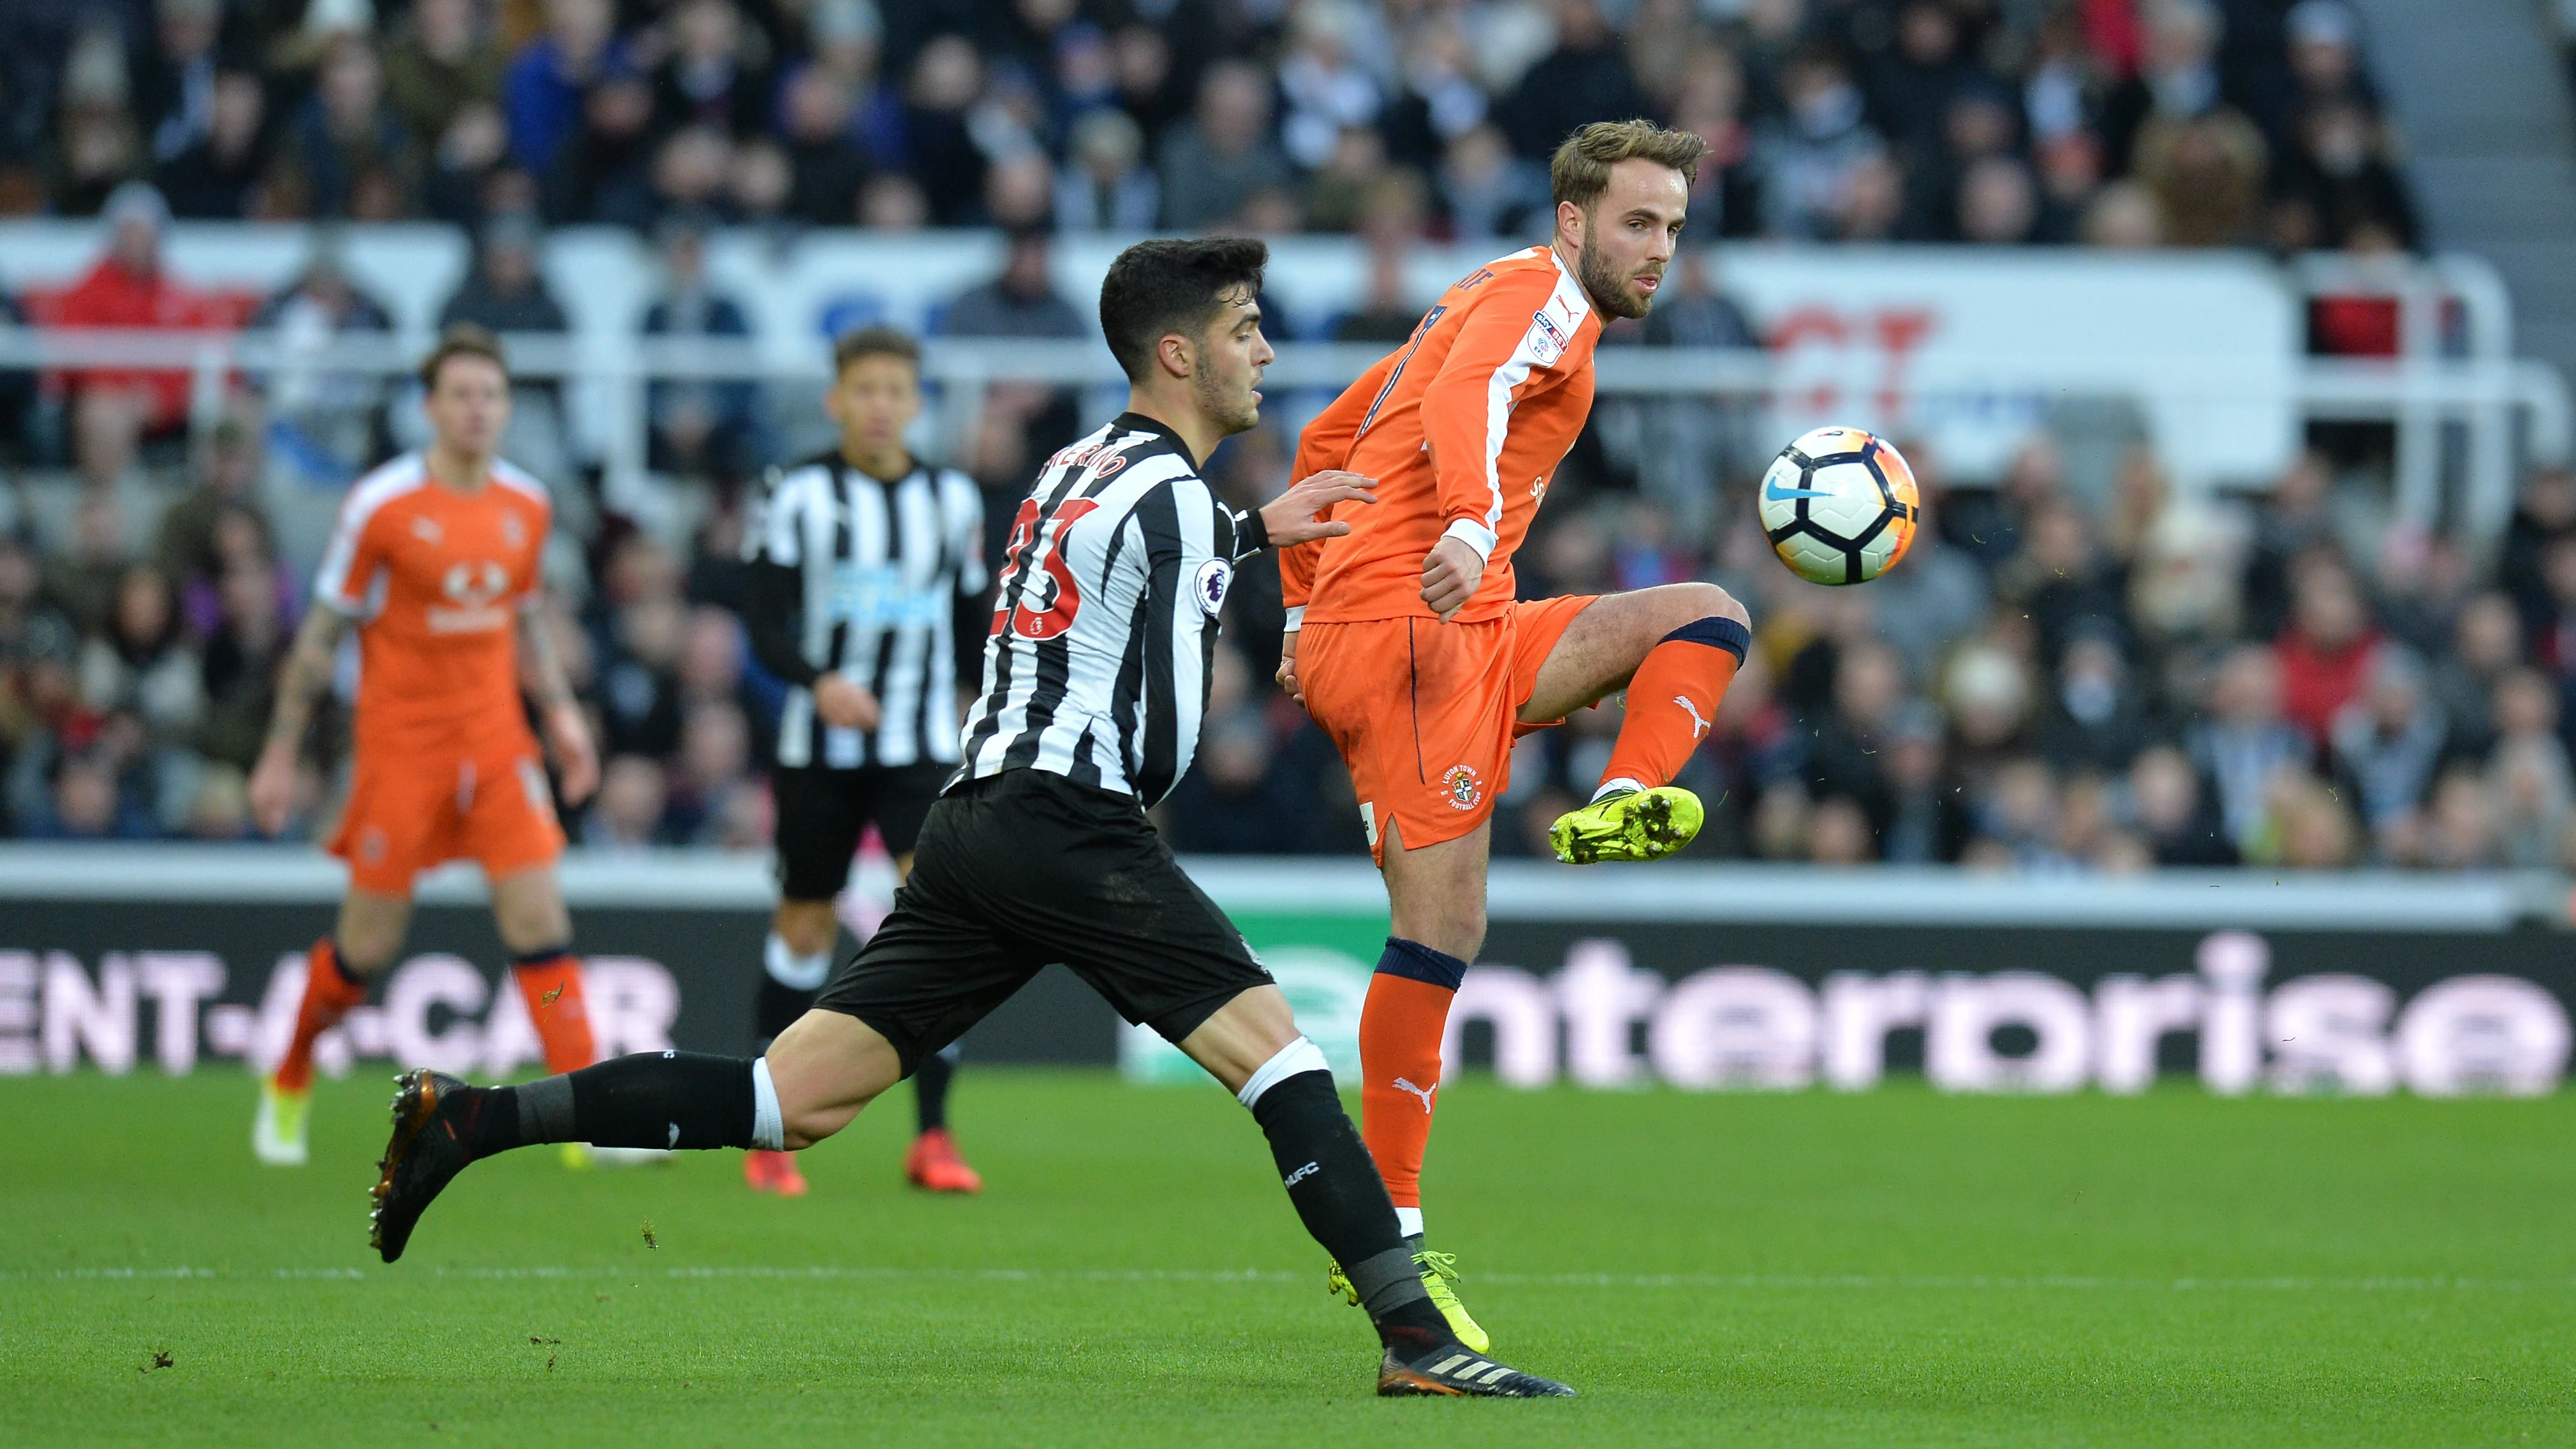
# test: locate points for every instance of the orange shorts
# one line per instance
(1425, 713)
(408, 813)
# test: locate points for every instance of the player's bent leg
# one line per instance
(1675, 650)
(337, 972)
(826, 1068)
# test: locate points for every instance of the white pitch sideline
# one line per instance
(2286, 1283)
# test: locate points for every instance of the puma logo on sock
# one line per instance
(1403, 1085)
(1699, 726)
(675, 1134)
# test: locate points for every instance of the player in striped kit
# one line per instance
(1095, 677)
(866, 579)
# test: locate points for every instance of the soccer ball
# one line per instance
(1840, 506)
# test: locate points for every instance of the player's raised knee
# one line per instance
(1708, 601)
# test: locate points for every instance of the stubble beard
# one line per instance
(1604, 284)
(1230, 409)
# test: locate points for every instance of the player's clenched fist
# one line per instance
(1298, 515)
(1450, 574)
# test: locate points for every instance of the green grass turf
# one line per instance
(1895, 1268)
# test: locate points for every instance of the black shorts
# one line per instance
(1024, 869)
(822, 812)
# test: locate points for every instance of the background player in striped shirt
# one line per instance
(1409, 645)
(866, 587)
(1095, 678)
(435, 564)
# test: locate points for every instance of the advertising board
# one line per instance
(1696, 977)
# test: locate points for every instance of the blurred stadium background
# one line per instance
(2229, 337)
(2219, 727)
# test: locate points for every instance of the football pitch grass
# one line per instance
(1894, 1268)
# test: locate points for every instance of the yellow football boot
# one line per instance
(1628, 825)
(1439, 1273)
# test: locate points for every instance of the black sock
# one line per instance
(650, 1099)
(775, 1009)
(930, 1087)
(1337, 1193)
(340, 963)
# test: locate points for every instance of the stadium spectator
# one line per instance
(445, 64)
(1218, 160)
(698, 428)
(2328, 650)
(818, 109)
(707, 80)
(1486, 192)
(2387, 744)
(541, 93)
(604, 170)
(1106, 185)
(216, 176)
(129, 287)
(1820, 155)
(927, 134)
(335, 418)
(1586, 77)
(142, 664)
(242, 657)
(346, 153)
(81, 580)
(2528, 783)
(200, 536)
(2486, 644)
(2243, 743)
(505, 292)
(627, 815)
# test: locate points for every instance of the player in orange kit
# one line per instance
(1408, 644)
(435, 563)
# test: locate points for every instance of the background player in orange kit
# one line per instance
(1408, 645)
(435, 563)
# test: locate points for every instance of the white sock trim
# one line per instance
(797, 973)
(1408, 1222)
(1612, 787)
(768, 1124)
(1297, 1056)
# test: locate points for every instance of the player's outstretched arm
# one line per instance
(1304, 513)
(541, 673)
(299, 687)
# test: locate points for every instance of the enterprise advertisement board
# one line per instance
(1697, 977)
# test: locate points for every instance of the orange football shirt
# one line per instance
(436, 580)
(1462, 427)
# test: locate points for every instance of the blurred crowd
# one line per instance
(2082, 668)
(2114, 122)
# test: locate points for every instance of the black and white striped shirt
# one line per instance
(864, 578)
(1106, 620)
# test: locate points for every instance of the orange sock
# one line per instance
(1672, 701)
(328, 995)
(550, 983)
(1400, 1030)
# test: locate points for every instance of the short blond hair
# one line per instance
(1581, 170)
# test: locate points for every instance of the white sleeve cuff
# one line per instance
(1475, 535)
(1296, 620)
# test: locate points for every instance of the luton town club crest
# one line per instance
(1463, 787)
